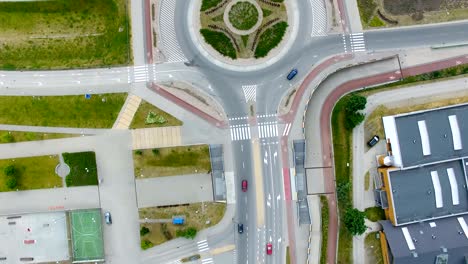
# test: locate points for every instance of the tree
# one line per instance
(342, 190)
(355, 103)
(188, 233)
(354, 221)
(10, 170)
(145, 244)
(11, 182)
(144, 230)
(353, 119)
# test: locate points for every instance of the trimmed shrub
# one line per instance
(220, 42)
(243, 15)
(144, 230)
(270, 38)
(207, 4)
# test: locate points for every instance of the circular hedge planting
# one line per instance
(243, 15)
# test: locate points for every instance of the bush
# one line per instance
(10, 170)
(8, 138)
(375, 214)
(342, 191)
(155, 151)
(220, 42)
(145, 244)
(207, 4)
(11, 182)
(188, 233)
(144, 230)
(353, 119)
(354, 103)
(138, 152)
(354, 221)
(270, 38)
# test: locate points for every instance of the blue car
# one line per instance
(292, 74)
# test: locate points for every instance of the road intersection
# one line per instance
(257, 140)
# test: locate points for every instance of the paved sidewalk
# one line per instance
(156, 137)
(127, 112)
(46, 200)
(353, 16)
(173, 190)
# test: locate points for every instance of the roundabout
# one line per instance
(243, 35)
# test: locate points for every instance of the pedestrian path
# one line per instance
(203, 246)
(250, 92)
(240, 132)
(170, 46)
(128, 112)
(319, 18)
(156, 137)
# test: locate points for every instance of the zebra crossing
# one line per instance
(170, 46)
(268, 129)
(250, 92)
(319, 18)
(357, 42)
(202, 245)
(240, 132)
(345, 45)
(138, 74)
(207, 261)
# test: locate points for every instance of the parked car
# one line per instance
(108, 218)
(291, 74)
(240, 228)
(269, 249)
(373, 141)
(244, 185)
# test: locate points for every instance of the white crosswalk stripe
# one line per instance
(357, 42)
(268, 129)
(240, 132)
(286, 130)
(207, 261)
(266, 115)
(344, 43)
(250, 92)
(202, 245)
(170, 46)
(319, 18)
(238, 118)
(138, 74)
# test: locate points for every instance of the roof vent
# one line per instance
(414, 141)
(445, 135)
(415, 255)
(444, 249)
(433, 237)
(415, 240)
(429, 192)
(460, 232)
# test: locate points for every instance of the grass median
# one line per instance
(31, 173)
(172, 161)
(324, 225)
(20, 136)
(161, 118)
(99, 111)
(64, 34)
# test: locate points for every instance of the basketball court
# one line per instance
(86, 232)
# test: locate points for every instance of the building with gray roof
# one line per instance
(440, 242)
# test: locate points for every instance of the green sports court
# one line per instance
(86, 233)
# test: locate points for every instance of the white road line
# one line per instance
(250, 92)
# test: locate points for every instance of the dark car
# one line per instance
(244, 185)
(373, 141)
(108, 218)
(291, 74)
(240, 228)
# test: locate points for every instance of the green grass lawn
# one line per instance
(32, 173)
(20, 136)
(270, 38)
(139, 120)
(325, 221)
(243, 15)
(64, 34)
(288, 257)
(196, 216)
(171, 161)
(100, 111)
(342, 142)
(83, 169)
(375, 214)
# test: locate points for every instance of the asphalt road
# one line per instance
(226, 85)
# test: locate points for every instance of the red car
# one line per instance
(244, 185)
(269, 249)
